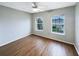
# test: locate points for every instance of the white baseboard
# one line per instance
(13, 40)
(55, 39)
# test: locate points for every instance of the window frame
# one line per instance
(62, 23)
(38, 23)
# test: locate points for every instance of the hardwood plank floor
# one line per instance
(37, 46)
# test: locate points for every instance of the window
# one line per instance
(58, 24)
(39, 24)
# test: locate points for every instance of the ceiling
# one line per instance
(43, 6)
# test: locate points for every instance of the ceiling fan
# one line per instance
(35, 7)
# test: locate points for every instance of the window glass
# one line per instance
(39, 23)
(58, 24)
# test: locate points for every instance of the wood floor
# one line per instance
(37, 46)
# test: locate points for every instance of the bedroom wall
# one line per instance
(13, 25)
(77, 27)
(68, 12)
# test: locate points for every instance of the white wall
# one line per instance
(77, 28)
(69, 13)
(13, 25)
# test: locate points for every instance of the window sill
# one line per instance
(39, 30)
(58, 33)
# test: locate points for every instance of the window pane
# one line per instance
(58, 28)
(58, 19)
(61, 20)
(55, 19)
(54, 28)
(58, 24)
(39, 26)
(39, 20)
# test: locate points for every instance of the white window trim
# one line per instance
(37, 23)
(62, 23)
